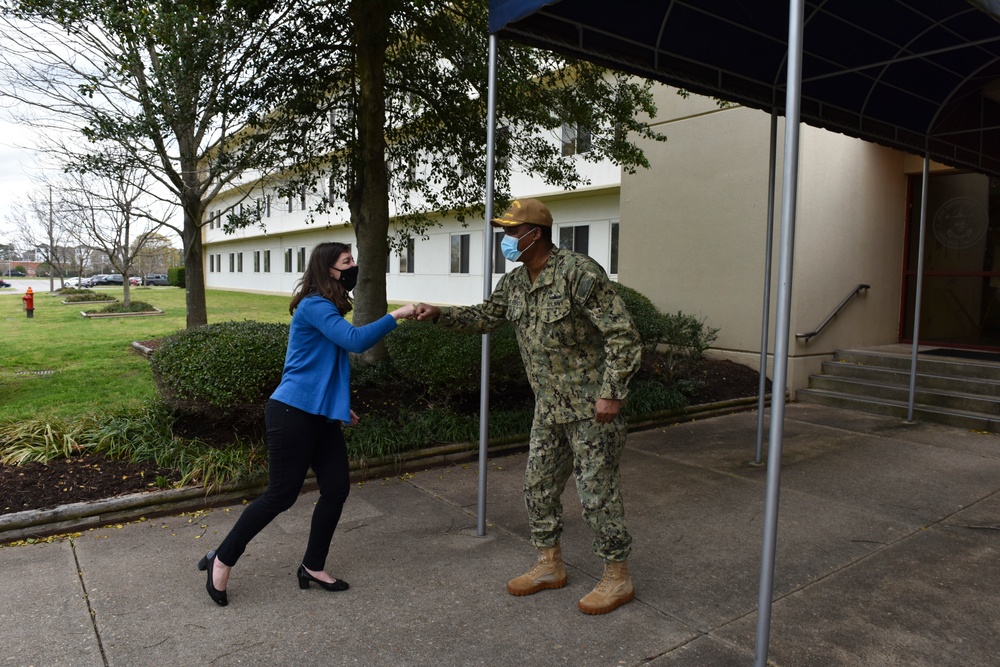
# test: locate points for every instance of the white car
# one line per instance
(72, 282)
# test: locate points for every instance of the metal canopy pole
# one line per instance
(484, 372)
(920, 287)
(766, 318)
(789, 187)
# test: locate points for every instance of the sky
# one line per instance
(15, 170)
(20, 171)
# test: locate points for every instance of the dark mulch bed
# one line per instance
(72, 480)
(78, 479)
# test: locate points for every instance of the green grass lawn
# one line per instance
(61, 364)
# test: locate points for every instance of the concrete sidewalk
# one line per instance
(888, 549)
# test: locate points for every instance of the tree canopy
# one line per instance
(405, 140)
(379, 107)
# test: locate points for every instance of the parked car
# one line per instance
(72, 282)
(156, 279)
(108, 279)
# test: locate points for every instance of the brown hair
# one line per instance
(317, 279)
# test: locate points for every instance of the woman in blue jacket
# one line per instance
(304, 417)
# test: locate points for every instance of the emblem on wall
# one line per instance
(960, 222)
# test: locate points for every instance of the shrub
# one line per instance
(85, 296)
(446, 363)
(686, 338)
(646, 397)
(223, 372)
(134, 307)
(175, 276)
(646, 316)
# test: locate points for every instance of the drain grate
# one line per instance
(33, 372)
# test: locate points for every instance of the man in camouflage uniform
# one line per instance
(580, 349)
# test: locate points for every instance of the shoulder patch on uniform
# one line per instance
(584, 288)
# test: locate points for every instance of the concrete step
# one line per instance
(958, 418)
(943, 366)
(902, 378)
(951, 400)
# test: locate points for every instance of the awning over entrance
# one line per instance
(918, 75)
(921, 76)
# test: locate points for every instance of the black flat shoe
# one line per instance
(207, 562)
(305, 578)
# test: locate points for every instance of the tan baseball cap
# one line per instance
(524, 211)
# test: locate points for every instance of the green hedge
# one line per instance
(221, 371)
(175, 276)
(445, 363)
(647, 318)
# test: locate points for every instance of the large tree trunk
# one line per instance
(194, 266)
(369, 198)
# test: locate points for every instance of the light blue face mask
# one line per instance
(508, 246)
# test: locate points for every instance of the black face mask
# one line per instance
(349, 278)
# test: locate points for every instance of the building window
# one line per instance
(239, 262)
(267, 261)
(499, 261)
(576, 237)
(459, 253)
(232, 262)
(267, 205)
(211, 263)
(300, 261)
(291, 202)
(406, 258)
(614, 248)
(575, 139)
(218, 263)
(256, 261)
(288, 260)
(302, 198)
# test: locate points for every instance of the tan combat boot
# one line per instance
(549, 572)
(612, 591)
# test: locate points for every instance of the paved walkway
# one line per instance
(888, 549)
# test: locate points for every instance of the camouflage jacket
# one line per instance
(577, 340)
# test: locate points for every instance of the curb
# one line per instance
(145, 313)
(74, 517)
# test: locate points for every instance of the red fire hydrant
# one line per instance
(29, 302)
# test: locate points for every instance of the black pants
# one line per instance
(296, 441)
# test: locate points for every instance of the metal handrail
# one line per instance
(853, 293)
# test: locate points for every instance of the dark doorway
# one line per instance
(961, 290)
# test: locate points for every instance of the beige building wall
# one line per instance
(694, 229)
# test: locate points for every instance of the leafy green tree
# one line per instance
(362, 102)
(406, 141)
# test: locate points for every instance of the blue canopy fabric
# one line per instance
(921, 76)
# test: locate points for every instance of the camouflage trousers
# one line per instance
(592, 452)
